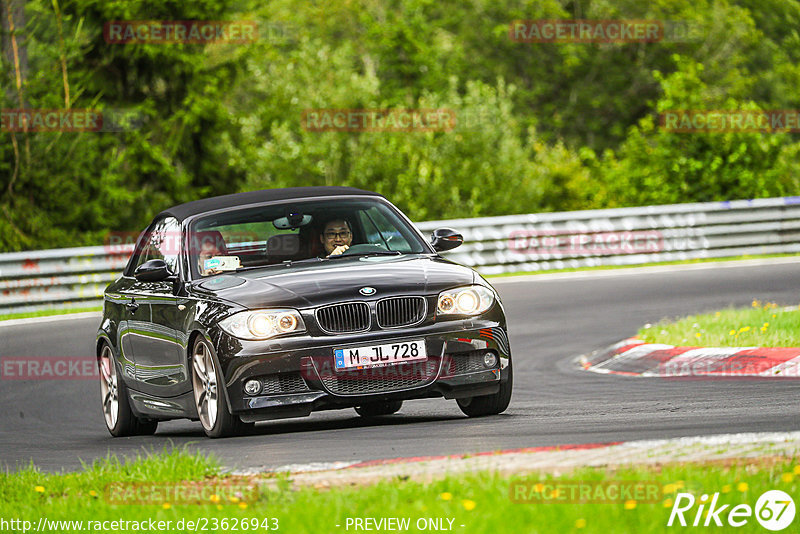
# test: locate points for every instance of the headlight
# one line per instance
(470, 300)
(263, 324)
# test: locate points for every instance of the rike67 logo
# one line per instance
(774, 510)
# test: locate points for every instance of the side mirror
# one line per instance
(153, 271)
(445, 239)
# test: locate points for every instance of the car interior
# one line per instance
(289, 244)
(272, 235)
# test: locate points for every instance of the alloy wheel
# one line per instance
(108, 387)
(204, 381)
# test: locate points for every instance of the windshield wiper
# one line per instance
(289, 263)
(285, 263)
(249, 268)
(371, 253)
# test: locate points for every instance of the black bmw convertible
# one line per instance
(278, 303)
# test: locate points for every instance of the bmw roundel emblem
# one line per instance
(367, 291)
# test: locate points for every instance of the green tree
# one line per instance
(654, 166)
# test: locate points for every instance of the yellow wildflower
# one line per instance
(446, 496)
(630, 504)
(468, 504)
(580, 523)
(742, 486)
(39, 489)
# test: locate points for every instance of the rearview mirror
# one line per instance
(445, 239)
(153, 271)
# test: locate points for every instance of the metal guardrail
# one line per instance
(59, 278)
(627, 236)
(76, 277)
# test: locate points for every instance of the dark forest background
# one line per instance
(542, 126)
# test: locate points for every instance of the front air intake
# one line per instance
(344, 318)
(400, 311)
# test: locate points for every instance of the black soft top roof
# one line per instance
(183, 211)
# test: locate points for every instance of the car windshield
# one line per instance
(311, 230)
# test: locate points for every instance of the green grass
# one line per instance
(47, 313)
(480, 501)
(656, 264)
(761, 325)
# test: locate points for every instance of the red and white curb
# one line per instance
(357, 464)
(556, 459)
(634, 357)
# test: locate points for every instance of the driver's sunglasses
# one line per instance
(334, 235)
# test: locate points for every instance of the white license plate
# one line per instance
(380, 355)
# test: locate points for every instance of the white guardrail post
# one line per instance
(76, 277)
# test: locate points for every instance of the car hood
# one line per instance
(339, 280)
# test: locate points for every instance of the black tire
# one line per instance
(115, 402)
(209, 395)
(375, 409)
(489, 404)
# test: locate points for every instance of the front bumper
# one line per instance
(300, 378)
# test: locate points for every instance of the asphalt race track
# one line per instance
(58, 423)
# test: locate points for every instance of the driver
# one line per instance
(336, 237)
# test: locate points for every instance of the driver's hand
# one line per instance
(338, 250)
